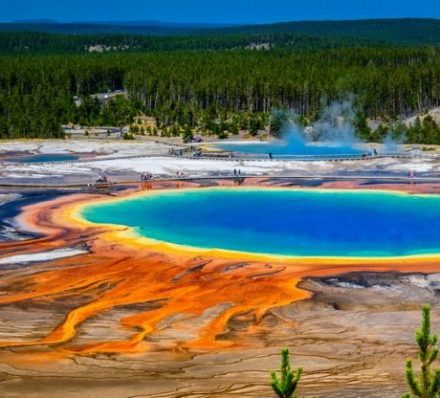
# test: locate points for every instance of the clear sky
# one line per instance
(223, 11)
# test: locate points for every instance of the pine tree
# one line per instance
(285, 386)
(361, 126)
(187, 134)
(426, 384)
(278, 121)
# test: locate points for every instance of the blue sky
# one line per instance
(230, 11)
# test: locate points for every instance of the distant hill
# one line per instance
(111, 27)
(404, 31)
(94, 28)
(33, 21)
(162, 24)
(397, 31)
(135, 23)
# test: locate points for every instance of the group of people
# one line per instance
(146, 176)
(180, 174)
(238, 177)
(197, 139)
(197, 153)
(175, 152)
(370, 154)
(102, 179)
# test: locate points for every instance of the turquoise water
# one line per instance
(41, 158)
(294, 149)
(282, 221)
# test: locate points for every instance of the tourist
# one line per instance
(146, 176)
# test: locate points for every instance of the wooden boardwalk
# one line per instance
(433, 179)
(426, 178)
(247, 158)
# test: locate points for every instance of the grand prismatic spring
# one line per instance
(206, 207)
(179, 268)
(313, 223)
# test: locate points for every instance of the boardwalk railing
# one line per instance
(433, 179)
(242, 157)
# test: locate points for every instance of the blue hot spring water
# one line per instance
(281, 149)
(283, 222)
(293, 145)
(41, 158)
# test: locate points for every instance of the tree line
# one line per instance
(217, 92)
(403, 31)
(50, 43)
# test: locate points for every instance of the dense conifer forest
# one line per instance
(47, 43)
(212, 84)
(414, 31)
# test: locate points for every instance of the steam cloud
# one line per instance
(334, 128)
